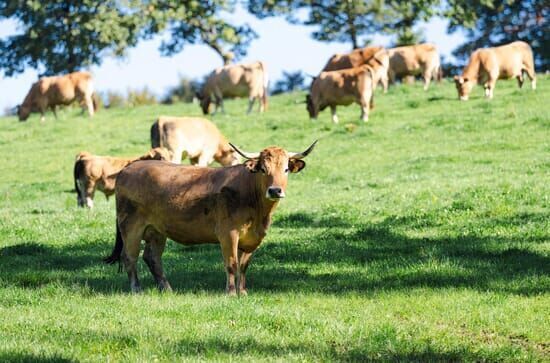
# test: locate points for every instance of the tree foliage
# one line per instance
(291, 81)
(496, 22)
(57, 36)
(349, 21)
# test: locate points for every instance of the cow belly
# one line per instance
(191, 234)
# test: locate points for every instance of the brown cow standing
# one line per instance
(240, 80)
(191, 205)
(413, 59)
(342, 87)
(489, 64)
(374, 56)
(93, 172)
(50, 92)
(195, 137)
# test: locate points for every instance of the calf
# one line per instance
(489, 64)
(342, 87)
(50, 92)
(413, 59)
(195, 137)
(93, 172)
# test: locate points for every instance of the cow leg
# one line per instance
(427, 75)
(90, 105)
(132, 234)
(530, 70)
(250, 104)
(89, 191)
(204, 159)
(154, 247)
(176, 156)
(229, 244)
(244, 260)
(520, 80)
(53, 111)
(384, 81)
(334, 115)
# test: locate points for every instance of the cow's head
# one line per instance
(23, 112)
(273, 165)
(204, 101)
(464, 87)
(311, 109)
(158, 153)
(226, 156)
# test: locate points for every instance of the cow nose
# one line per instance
(275, 193)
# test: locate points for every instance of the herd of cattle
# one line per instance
(156, 198)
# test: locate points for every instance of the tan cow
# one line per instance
(195, 137)
(489, 64)
(50, 92)
(342, 87)
(191, 205)
(239, 80)
(93, 172)
(377, 57)
(411, 60)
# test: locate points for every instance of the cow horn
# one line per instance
(245, 154)
(303, 154)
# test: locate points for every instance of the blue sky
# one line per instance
(284, 47)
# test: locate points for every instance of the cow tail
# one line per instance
(265, 85)
(155, 135)
(76, 173)
(117, 250)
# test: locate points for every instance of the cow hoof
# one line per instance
(243, 292)
(231, 291)
(136, 289)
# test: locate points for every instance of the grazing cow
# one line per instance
(50, 92)
(239, 80)
(374, 56)
(92, 171)
(231, 206)
(489, 64)
(342, 87)
(197, 138)
(414, 59)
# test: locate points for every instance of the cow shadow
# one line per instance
(309, 253)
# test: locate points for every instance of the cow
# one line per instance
(232, 206)
(342, 87)
(196, 137)
(49, 92)
(374, 56)
(486, 65)
(93, 172)
(238, 80)
(411, 60)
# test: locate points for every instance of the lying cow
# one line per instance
(231, 206)
(374, 56)
(415, 59)
(240, 80)
(93, 172)
(342, 87)
(195, 137)
(489, 64)
(50, 92)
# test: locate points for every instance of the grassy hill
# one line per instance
(422, 235)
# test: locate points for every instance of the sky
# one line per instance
(282, 46)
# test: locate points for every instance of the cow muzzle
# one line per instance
(275, 193)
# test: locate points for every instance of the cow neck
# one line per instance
(471, 71)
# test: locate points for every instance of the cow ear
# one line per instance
(253, 165)
(296, 165)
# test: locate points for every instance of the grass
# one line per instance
(422, 235)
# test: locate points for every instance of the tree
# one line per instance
(291, 81)
(192, 22)
(402, 16)
(337, 21)
(496, 22)
(62, 36)
(56, 36)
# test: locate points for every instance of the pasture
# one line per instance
(423, 235)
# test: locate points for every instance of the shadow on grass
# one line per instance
(20, 357)
(315, 254)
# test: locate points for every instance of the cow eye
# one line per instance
(286, 170)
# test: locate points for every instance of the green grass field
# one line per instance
(423, 235)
